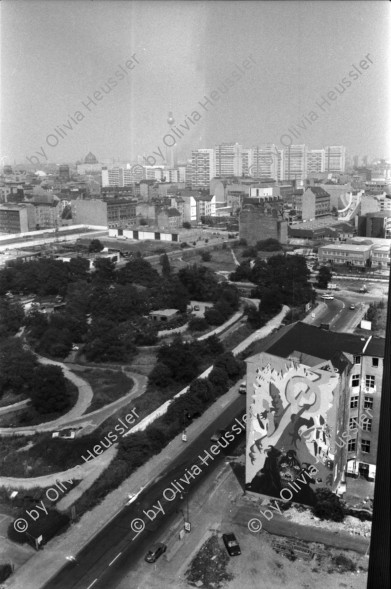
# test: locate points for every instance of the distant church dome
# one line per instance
(90, 159)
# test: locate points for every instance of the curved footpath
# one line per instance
(77, 416)
(43, 565)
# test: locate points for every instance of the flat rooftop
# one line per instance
(346, 247)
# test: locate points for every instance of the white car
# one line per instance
(327, 296)
(65, 434)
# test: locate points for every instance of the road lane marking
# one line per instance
(113, 560)
(93, 583)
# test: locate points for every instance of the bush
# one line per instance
(328, 506)
(206, 256)
(49, 391)
(198, 324)
(47, 526)
(344, 564)
(269, 245)
(250, 252)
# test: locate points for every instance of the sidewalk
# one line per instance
(44, 565)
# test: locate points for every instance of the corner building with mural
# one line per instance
(301, 400)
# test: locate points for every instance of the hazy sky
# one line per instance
(56, 54)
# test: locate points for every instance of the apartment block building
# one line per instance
(202, 167)
(295, 163)
(228, 160)
(110, 213)
(335, 156)
(266, 161)
(17, 218)
(313, 203)
(316, 159)
(313, 397)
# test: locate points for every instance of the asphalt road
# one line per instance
(110, 555)
(338, 315)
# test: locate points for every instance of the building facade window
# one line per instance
(370, 381)
(351, 445)
(375, 362)
(365, 446)
(367, 425)
(368, 402)
(354, 402)
(357, 359)
(355, 380)
(352, 423)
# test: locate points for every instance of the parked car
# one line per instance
(156, 551)
(243, 388)
(352, 307)
(327, 296)
(231, 544)
(66, 434)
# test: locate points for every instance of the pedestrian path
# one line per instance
(44, 565)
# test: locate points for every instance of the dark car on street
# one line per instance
(157, 550)
(231, 544)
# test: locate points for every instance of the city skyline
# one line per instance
(81, 77)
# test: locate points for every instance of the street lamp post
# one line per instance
(186, 518)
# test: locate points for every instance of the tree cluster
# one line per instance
(281, 280)
(324, 277)
(137, 448)
(42, 277)
(179, 362)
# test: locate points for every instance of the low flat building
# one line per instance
(163, 315)
(347, 253)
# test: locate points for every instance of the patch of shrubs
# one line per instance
(47, 526)
(136, 449)
(344, 564)
(328, 506)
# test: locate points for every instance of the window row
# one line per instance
(369, 380)
(366, 424)
(368, 402)
(365, 446)
(375, 361)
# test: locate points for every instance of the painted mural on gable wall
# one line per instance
(291, 420)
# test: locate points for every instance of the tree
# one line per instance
(166, 268)
(219, 379)
(95, 246)
(206, 256)
(328, 505)
(17, 365)
(198, 324)
(104, 270)
(230, 364)
(56, 342)
(49, 390)
(269, 245)
(200, 282)
(138, 271)
(11, 317)
(186, 225)
(161, 375)
(103, 343)
(324, 277)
